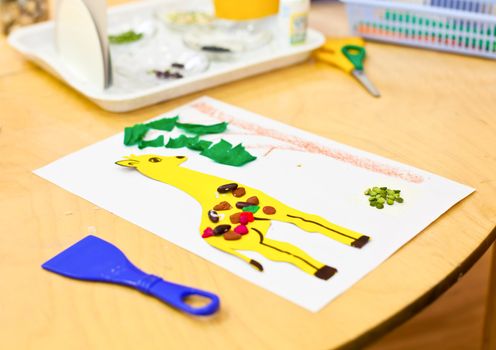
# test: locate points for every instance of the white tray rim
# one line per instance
(134, 100)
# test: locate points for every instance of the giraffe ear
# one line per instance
(130, 163)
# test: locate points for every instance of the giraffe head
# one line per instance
(151, 161)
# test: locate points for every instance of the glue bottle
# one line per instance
(293, 20)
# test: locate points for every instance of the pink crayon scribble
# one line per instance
(307, 146)
(270, 148)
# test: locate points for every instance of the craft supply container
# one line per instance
(37, 44)
(459, 26)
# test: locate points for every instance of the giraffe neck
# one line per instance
(200, 186)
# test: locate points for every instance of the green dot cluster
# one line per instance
(378, 196)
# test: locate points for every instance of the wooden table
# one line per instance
(437, 113)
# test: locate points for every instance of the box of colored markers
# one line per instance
(460, 26)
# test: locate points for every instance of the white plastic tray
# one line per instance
(37, 44)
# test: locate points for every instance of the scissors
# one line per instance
(347, 54)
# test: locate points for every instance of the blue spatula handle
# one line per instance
(93, 259)
(176, 294)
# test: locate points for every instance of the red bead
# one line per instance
(246, 217)
(241, 229)
(208, 232)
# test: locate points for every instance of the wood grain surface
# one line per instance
(436, 113)
(453, 322)
(489, 335)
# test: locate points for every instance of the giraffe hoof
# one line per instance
(325, 272)
(360, 242)
(256, 264)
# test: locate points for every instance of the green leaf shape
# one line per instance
(134, 134)
(164, 124)
(181, 141)
(223, 152)
(200, 145)
(156, 142)
(200, 129)
(251, 208)
(125, 37)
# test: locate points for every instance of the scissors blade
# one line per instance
(362, 78)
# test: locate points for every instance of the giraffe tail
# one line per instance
(222, 246)
(256, 265)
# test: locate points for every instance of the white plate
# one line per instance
(36, 42)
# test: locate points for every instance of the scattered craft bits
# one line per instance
(239, 192)
(378, 196)
(253, 200)
(246, 217)
(188, 18)
(231, 236)
(269, 210)
(213, 216)
(208, 232)
(221, 229)
(212, 48)
(223, 152)
(227, 188)
(125, 37)
(223, 206)
(235, 218)
(167, 74)
(251, 208)
(164, 124)
(241, 229)
(241, 205)
(156, 142)
(200, 129)
(134, 134)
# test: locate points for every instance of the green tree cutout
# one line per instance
(222, 152)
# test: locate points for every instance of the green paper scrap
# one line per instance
(200, 129)
(134, 134)
(251, 208)
(125, 37)
(181, 141)
(164, 124)
(221, 147)
(156, 142)
(223, 152)
(200, 145)
(193, 143)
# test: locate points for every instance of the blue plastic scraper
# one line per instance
(94, 259)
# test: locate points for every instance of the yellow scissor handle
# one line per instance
(331, 52)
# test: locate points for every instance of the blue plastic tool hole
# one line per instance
(196, 301)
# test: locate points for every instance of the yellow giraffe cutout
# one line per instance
(230, 219)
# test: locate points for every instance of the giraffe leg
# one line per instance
(230, 248)
(315, 223)
(282, 251)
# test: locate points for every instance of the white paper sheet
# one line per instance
(303, 170)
